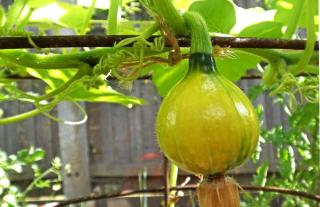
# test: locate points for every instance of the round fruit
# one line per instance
(206, 124)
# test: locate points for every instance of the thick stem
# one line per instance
(83, 70)
(20, 117)
(311, 39)
(86, 23)
(171, 16)
(113, 17)
(219, 191)
(173, 181)
(200, 39)
(294, 19)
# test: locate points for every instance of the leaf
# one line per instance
(165, 77)
(287, 164)
(285, 12)
(260, 178)
(74, 17)
(2, 16)
(37, 155)
(42, 184)
(182, 5)
(102, 94)
(50, 13)
(251, 16)
(133, 27)
(265, 29)
(304, 116)
(255, 91)
(14, 12)
(235, 67)
(56, 78)
(38, 3)
(219, 14)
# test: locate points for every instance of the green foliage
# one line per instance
(166, 77)
(297, 151)
(265, 29)
(15, 164)
(215, 10)
(236, 65)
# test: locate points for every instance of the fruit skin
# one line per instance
(206, 124)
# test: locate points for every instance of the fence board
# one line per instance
(107, 135)
(135, 128)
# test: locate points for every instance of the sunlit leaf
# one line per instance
(74, 17)
(287, 162)
(165, 77)
(251, 16)
(236, 66)
(263, 30)
(285, 12)
(214, 11)
(260, 178)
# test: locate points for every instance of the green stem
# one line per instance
(67, 61)
(171, 16)
(294, 19)
(145, 35)
(80, 74)
(86, 23)
(311, 39)
(14, 12)
(200, 39)
(33, 183)
(20, 117)
(113, 17)
(173, 180)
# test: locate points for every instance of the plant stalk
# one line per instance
(311, 39)
(200, 38)
(294, 19)
(113, 17)
(171, 15)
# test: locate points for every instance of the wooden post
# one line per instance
(74, 151)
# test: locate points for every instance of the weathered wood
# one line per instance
(93, 130)
(135, 128)
(120, 136)
(107, 136)
(11, 132)
(74, 152)
(148, 119)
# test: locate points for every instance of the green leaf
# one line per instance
(285, 12)
(287, 164)
(235, 67)
(14, 12)
(2, 16)
(38, 3)
(304, 116)
(37, 155)
(251, 16)
(102, 94)
(255, 91)
(56, 78)
(43, 184)
(182, 5)
(165, 77)
(260, 178)
(31, 155)
(219, 14)
(74, 17)
(265, 29)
